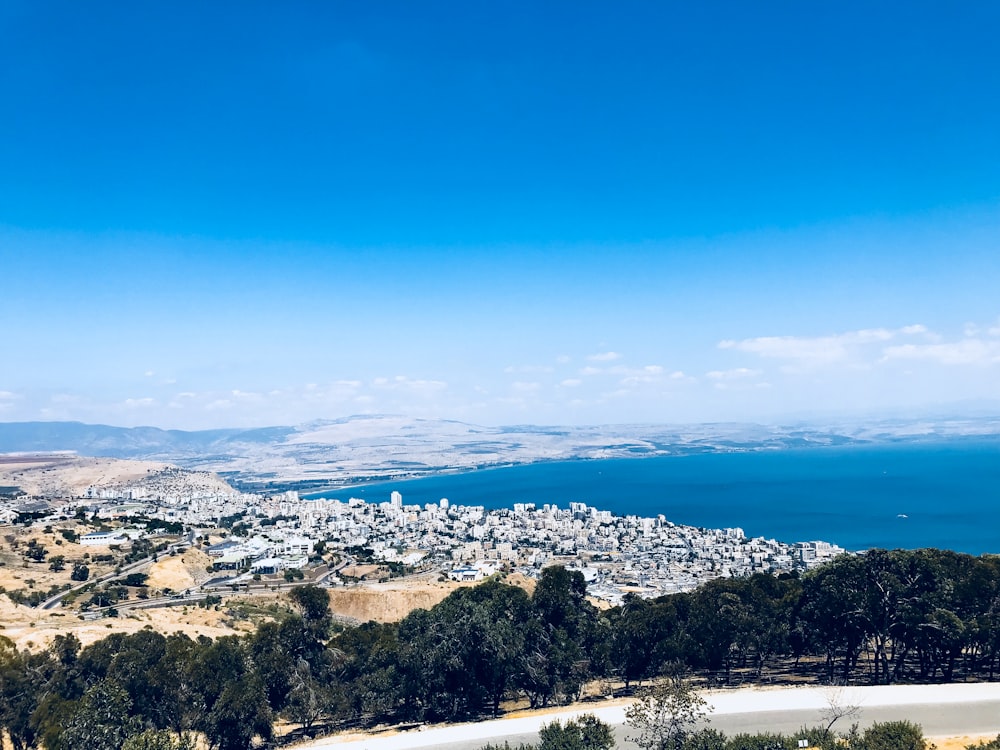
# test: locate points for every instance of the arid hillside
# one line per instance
(69, 475)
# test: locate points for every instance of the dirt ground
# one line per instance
(70, 475)
(34, 630)
(959, 743)
(18, 572)
(179, 572)
(392, 601)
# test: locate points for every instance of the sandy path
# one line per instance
(946, 701)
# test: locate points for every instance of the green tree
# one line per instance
(240, 715)
(179, 703)
(708, 739)
(103, 720)
(563, 638)
(18, 694)
(370, 669)
(665, 714)
(57, 563)
(159, 739)
(461, 656)
(891, 735)
(314, 605)
(639, 627)
(310, 699)
(761, 741)
(586, 732)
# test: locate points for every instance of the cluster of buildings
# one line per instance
(616, 554)
(262, 553)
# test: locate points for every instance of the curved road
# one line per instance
(942, 710)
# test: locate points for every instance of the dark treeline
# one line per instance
(881, 617)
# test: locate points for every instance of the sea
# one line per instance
(905, 495)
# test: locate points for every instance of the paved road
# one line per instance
(942, 710)
(936, 720)
(140, 565)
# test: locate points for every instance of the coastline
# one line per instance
(877, 495)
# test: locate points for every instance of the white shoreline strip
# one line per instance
(737, 701)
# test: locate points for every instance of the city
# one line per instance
(266, 535)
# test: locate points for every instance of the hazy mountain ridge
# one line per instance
(370, 447)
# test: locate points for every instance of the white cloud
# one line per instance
(588, 370)
(635, 376)
(528, 369)
(738, 373)
(571, 382)
(139, 403)
(620, 393)
(968, 351)
(604, 357)
(410, 385)
(247, 397)
(563, 359)
(149, 373)
(817, 351)
(522, 387)
(65, 398)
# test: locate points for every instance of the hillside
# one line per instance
(67, 475)
(378, 446)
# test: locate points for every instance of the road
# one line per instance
(223, 587)
(942, 710)
(136, 567)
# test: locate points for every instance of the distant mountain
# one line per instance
(368, 447)
(128, 442)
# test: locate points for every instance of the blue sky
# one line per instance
(246, 213)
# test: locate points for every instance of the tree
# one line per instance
(57, 563)
(17, 695)
(839, 706)
(80, 572)
(103, 721)
(159, 739)
(309, 699)
(240, 714)
(314, 604)
(462, 656)
(665, 714)
(710, 739)
(133, 666)
(640, 629)
(562, 638)
(179, 704)
(371, 668)
(586, 732)
(891, 735)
